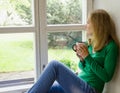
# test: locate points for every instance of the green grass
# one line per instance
(61, 54)
(66, 56)
(18, 56)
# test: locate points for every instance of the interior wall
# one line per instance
(113, 7)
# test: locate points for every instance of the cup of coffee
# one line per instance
(75, 45)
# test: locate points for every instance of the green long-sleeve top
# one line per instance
(99, 67)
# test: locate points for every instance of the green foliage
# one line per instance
(66, 56)
(23, 8)
(64, 11)
(72, 65)
(58, 11)
(16, 12)
(56, 38)
(18, 56)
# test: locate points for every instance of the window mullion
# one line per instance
(65, 27)
(16, 29)
(89, 6)
(41, 38)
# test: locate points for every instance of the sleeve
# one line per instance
(106, 72)
(81, 65)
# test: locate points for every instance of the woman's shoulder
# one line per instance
(112, 45)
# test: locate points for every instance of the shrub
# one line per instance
(72, 65)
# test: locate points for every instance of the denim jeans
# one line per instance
(58, 78)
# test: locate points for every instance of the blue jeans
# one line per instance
(58, 78)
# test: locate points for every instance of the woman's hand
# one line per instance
(81, 50)
(80, 57)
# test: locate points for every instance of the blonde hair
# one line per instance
(104, 29)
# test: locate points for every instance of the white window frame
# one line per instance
(41, 29)
(44, 29)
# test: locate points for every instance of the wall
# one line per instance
(113, 7)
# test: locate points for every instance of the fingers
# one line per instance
(80, 57)
(81, 47)
(82, 50)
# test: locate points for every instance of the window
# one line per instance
(27, 28)
(66, 25)
(60, 47)
(17, 57)
(17, 43)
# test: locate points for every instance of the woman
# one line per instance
(97, 61)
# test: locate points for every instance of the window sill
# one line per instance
(15, 89)
(16, 86)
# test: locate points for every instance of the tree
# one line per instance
(64, 11)
(23, 8)
(15, 12)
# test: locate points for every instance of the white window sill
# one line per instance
(15, 89)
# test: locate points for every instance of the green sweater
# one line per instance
(99, 67)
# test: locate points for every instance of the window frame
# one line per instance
(40, 30)
(44, 29)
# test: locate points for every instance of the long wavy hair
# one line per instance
(104, 29)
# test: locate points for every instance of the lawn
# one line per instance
(66, 56)
(19, 56)
(16, 56)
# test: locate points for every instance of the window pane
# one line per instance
(60, 47)
(16, 12)
(64, 11)
(16, 56)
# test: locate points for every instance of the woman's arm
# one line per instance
(106, 72)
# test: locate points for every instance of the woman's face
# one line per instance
(89, 27)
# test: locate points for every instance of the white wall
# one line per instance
(113, 7)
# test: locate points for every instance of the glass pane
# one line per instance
(16, 12)
(60, 47)
(16, 56)
(64, 11)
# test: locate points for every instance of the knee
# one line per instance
(54, 62)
